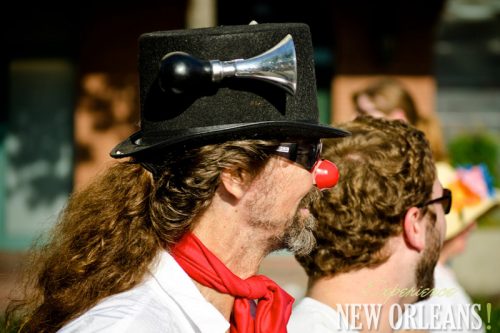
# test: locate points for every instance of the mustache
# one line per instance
(311, 197)
(299, 239)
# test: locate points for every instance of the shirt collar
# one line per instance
(176, 283)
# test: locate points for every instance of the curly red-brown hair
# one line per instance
(385, 168)
(110, 232)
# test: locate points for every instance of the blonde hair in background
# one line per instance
(388, 95)
(421, 90)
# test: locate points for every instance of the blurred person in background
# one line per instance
(380, 230)
(389, 98)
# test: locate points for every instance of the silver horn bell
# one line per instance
(181, 72)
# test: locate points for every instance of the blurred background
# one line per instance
(69, 93)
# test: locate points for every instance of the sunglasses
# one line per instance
(304, 154)
(444, 200)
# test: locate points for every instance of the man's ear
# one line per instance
(235, 182)
(414, 228)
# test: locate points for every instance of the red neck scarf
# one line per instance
(274, 304)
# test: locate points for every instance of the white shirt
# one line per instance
(167, 301)
(312, 316)
(450, 310)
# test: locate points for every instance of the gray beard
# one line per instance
(298, 237)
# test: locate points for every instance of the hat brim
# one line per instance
(138, 143)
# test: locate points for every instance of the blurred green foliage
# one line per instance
(4, 329)
(494, 317)
(476, 148)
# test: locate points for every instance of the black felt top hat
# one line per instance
(193, 110)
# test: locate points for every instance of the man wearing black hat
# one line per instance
(219, 175)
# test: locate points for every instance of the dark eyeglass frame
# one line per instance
(304, 154)
(445, 200)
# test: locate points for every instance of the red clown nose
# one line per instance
(326, 174)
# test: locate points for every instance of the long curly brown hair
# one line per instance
(111, 231)
(385, 168)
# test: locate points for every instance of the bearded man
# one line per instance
(219, 175)
(380, 230)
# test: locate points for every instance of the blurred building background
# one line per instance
(68, 94)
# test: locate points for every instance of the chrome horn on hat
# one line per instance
(180, 72)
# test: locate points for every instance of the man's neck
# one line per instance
(382, 286)
(240, 249)
(238, 245)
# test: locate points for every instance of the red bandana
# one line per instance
(274, 304)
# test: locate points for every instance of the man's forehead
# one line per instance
(437, 188)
